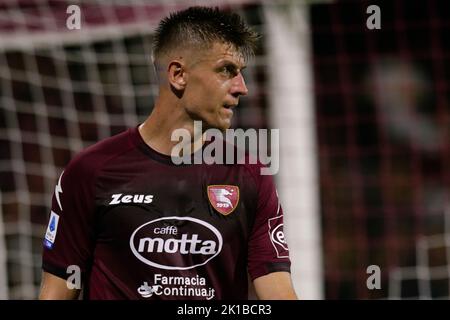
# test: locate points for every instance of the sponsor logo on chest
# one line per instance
(176, 243)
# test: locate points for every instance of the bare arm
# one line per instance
(275, 286)
(55, 288)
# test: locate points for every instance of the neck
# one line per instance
(166, 117)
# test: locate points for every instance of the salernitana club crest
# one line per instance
(224, 198)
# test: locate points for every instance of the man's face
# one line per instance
(214, 85)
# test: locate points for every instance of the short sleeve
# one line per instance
(268, 251)
(69, 238)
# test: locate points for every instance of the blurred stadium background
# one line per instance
(364, 121)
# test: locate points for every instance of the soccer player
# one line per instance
(128, 223)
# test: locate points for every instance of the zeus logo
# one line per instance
(58, 190)
(130, 198)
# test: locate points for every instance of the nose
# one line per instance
(238, 87)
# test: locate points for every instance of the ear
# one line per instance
(176, 74)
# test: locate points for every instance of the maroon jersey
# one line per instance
(140, 227)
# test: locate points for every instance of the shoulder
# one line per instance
(254, 169)
(250, 163)
(88, 161)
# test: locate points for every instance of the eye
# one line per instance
(228, 71)
(225, 70)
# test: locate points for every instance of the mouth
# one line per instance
(229, 106)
